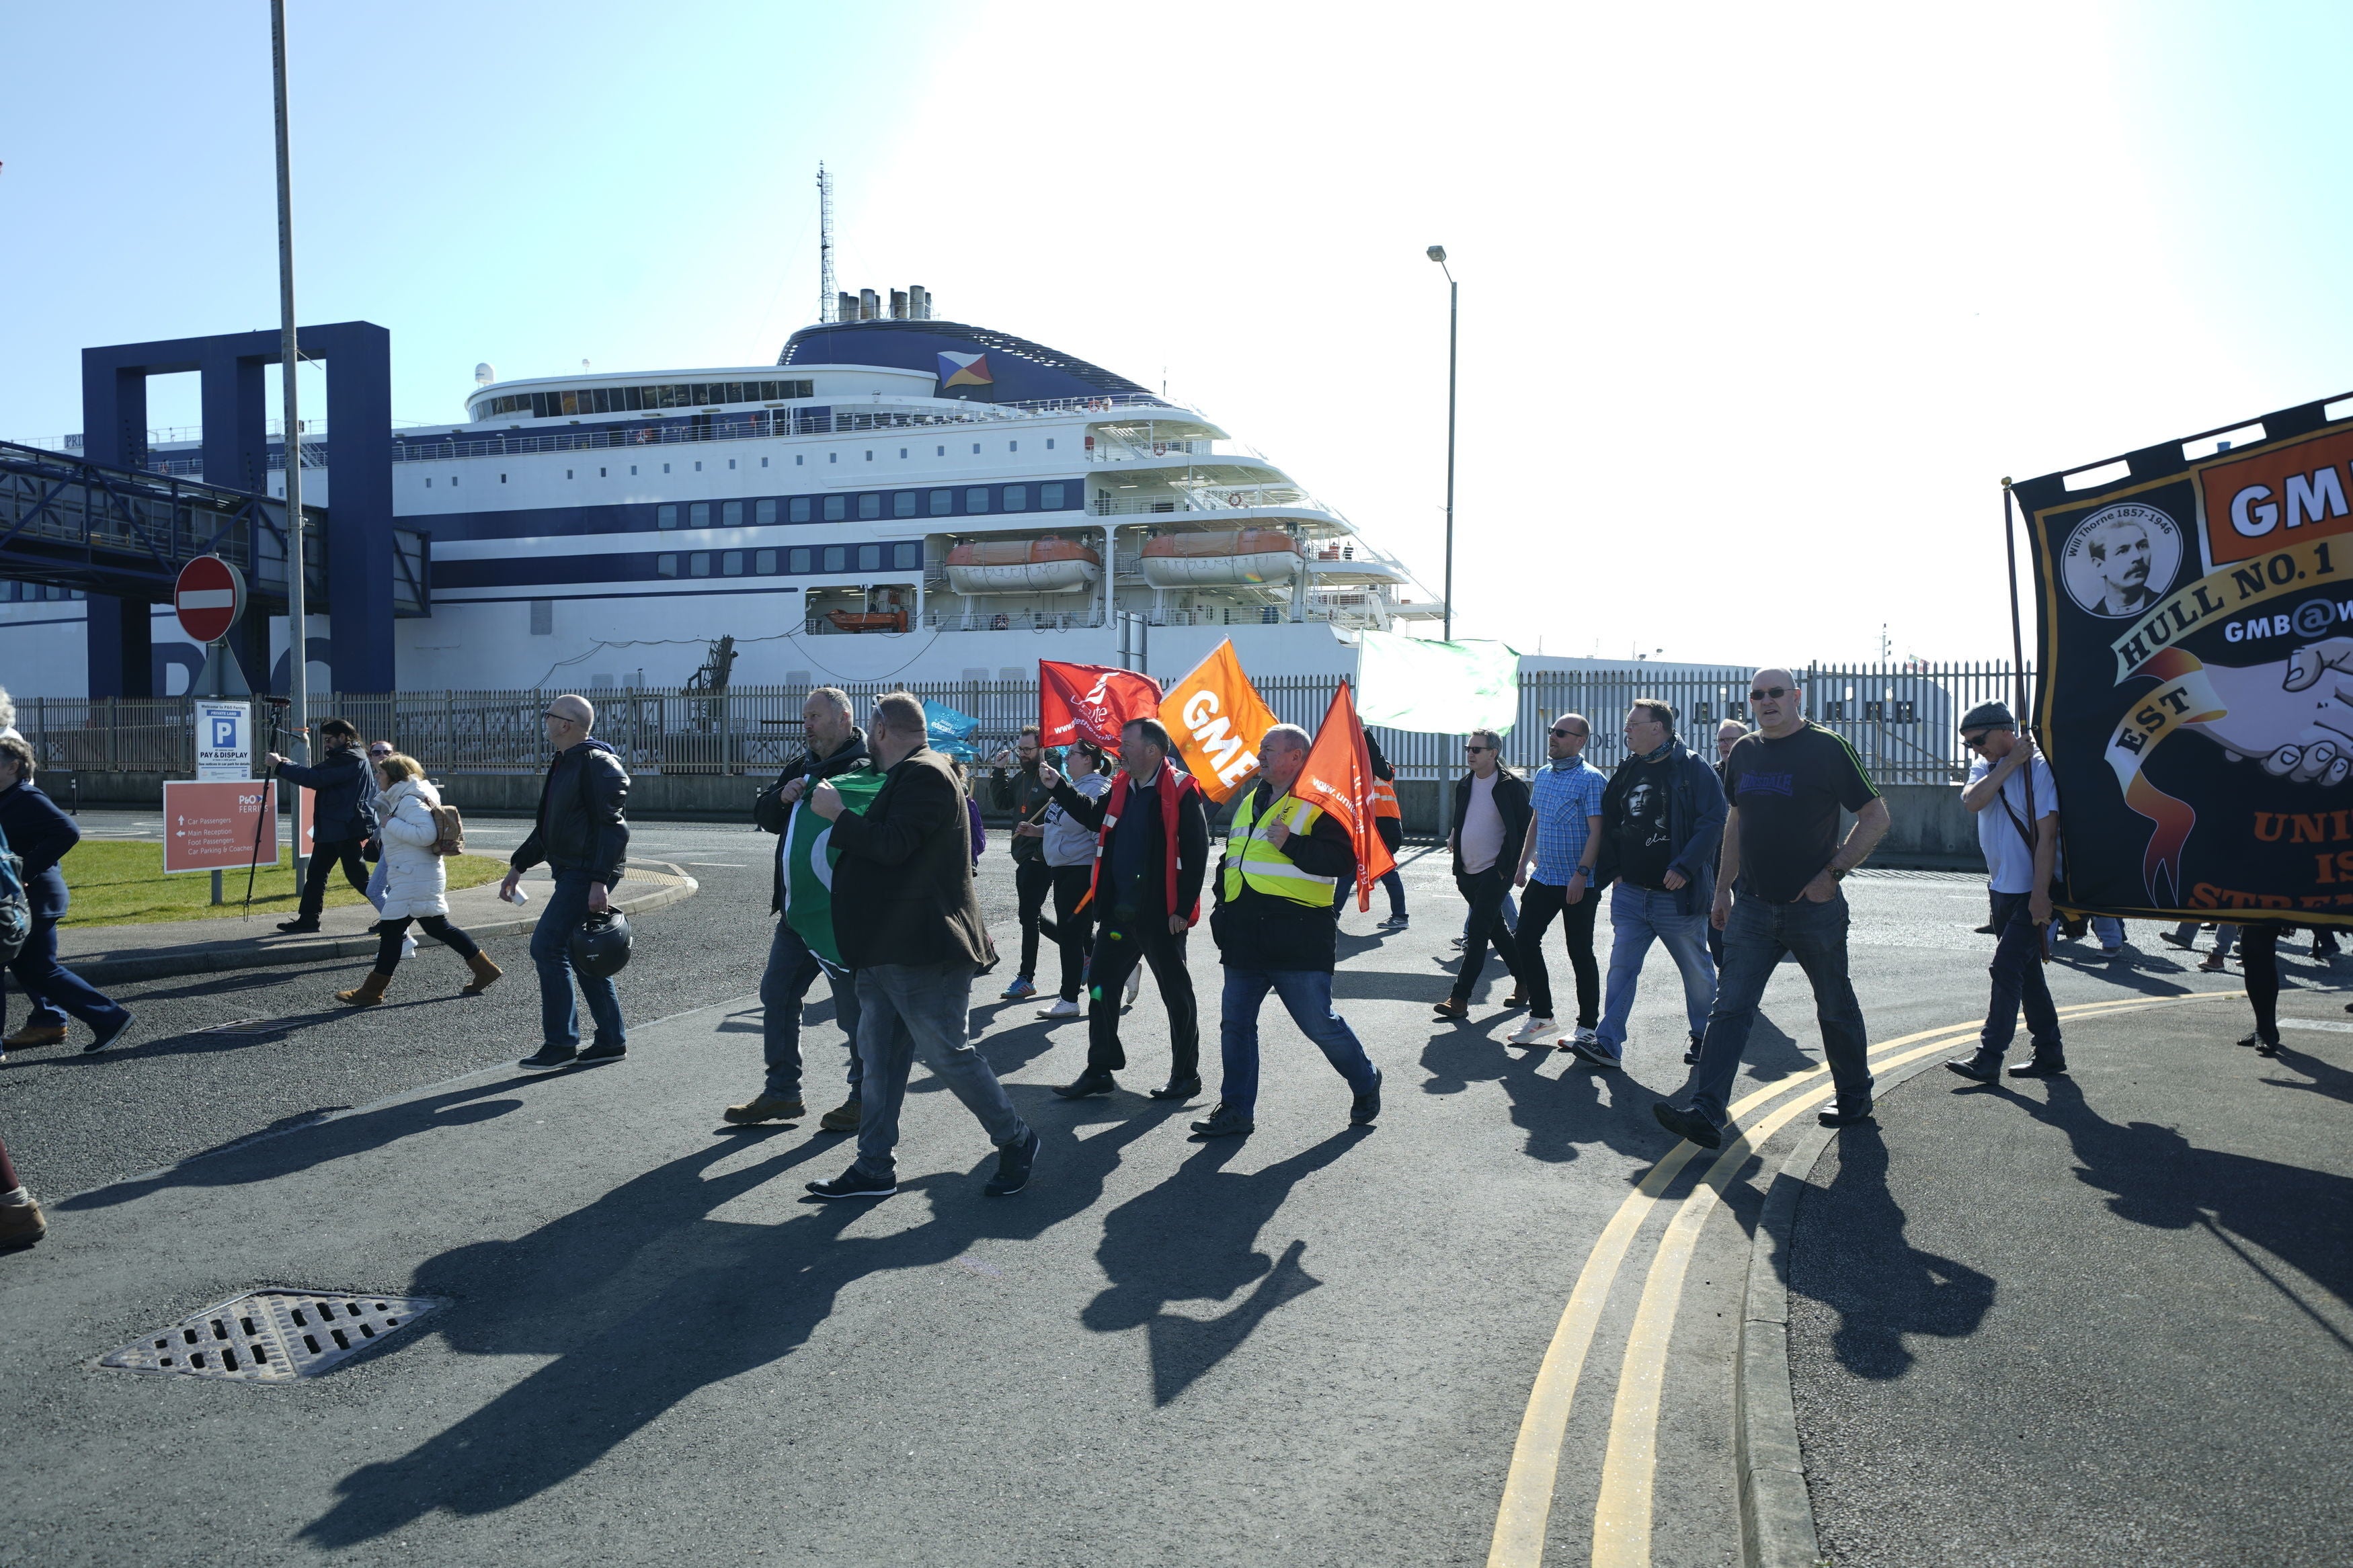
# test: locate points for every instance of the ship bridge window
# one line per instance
(869, 558)
(836, 507)
(869, 507)
(903, 504)
(637, 399)
(764, 512)
(836, 558)
(731, 514)
(799, 510)
(942, 503)
(1050, 497)
(976, 500)
(699, 514)
(665, 517)
(1017, 498)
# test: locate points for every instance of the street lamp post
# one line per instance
(1453, 299)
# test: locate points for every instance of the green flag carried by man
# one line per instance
(809, 857)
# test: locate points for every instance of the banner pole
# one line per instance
(2017, 634)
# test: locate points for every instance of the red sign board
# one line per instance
(209, 595)
(306, 822)
(212, 827)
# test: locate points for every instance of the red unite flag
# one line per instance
(1337, 777)
(1092, 702)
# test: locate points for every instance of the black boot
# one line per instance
(1094, 1081)
(2042, 1064)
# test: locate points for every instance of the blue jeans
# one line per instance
(1637, 917)
(54, 990)
(551, 950)
(906, 1008)
(1754, 938)
(2018, 981)
(1307, 996)
(792, 970)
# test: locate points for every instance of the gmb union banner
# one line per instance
(2195, 673)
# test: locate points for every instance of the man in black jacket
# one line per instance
(1022, 792)
(834, 745)
(1661, 824)
(1152, 844)
(342, 816)
(1491, 821)
(908, 923)
(40, 834)
(584, 839)
(1287, 866)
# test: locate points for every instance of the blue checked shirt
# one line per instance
(1563, 798)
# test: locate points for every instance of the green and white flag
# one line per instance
(809, 858)
(1416, 683)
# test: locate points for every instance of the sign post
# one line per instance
(210, 596)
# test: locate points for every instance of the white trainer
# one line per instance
(1583, 1038)
(1134, 984)
(1064, 1007)
(1533, 1030)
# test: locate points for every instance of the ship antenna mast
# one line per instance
(825, 284)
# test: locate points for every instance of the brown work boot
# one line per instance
(21, 1225)
(765, 1107)
(35, 1035)
(484, 971)
(842, 1118)
(367, 993)
(1454, 1010)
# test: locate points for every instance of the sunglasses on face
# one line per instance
(1571, 734)
(1475, 750)
(1977, 740)
(1774, 692)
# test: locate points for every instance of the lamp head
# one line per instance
(1437, 254)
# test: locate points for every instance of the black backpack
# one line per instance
(15, 909)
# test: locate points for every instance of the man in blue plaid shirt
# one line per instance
(1563, 827)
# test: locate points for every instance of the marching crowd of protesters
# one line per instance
(1732, 864)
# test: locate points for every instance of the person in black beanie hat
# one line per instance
(2016, 803)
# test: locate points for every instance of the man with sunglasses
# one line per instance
(1788, 782)
(2016, 803)
(1565, 815)
(1490, 819)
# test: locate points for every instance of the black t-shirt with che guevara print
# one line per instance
(1787, 792)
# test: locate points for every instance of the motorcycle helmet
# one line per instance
(600, 944)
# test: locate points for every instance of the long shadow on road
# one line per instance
(603, 1290)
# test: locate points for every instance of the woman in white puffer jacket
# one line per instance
(415, 884)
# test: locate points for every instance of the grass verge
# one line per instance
(116, 883)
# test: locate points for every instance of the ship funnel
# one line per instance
(870, 306)
(919, 302)
(898, 304)
(845, 306)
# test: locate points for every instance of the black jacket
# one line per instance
(580, 825)
(902, 891)
(345, 786)
(40, 834)
(1144, 813)
(1696, 815)
(1023, 793)
(1254, 931)
(770, 813)
(1511, 804)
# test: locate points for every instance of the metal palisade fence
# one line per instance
(1902, 719)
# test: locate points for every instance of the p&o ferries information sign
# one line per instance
(2195, 689)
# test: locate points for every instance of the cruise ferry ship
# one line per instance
(896, 497)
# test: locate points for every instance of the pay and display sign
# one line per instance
(2196, 678)
(215, 827)
(224, 741)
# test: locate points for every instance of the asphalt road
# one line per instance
(1316, 1345)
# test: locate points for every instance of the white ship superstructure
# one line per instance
(897, 495)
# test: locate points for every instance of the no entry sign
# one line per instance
(209, 595)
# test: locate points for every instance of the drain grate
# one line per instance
(271, 1336)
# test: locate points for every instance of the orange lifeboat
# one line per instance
(1049, 565)
(1227, 558)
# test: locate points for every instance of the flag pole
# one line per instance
(2017, 634)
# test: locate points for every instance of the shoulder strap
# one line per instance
(2002, 795)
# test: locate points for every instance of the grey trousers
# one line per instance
(904, 1009)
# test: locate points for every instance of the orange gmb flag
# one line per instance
(1217, 718)
(1338, 778)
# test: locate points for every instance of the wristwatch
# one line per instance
(1584, 871)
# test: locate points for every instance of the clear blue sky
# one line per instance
(1759, 305)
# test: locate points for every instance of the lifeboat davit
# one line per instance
(1220, 559)
(1049, 565)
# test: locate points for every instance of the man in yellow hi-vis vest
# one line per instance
(1276, 923)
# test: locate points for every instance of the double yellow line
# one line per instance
(1622, 1516)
